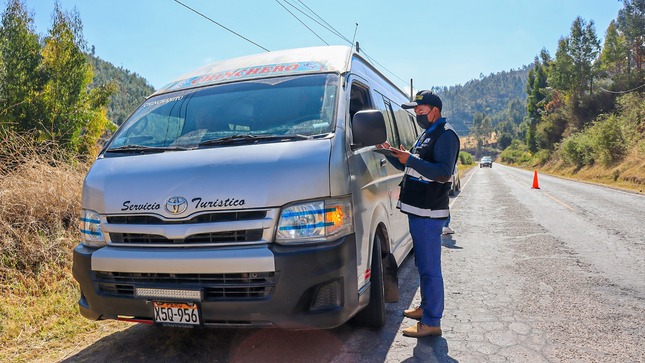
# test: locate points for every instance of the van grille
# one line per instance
(219, 237)
(216, 287)
(246, 227)
(202, 218)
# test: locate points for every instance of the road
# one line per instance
(555, 274)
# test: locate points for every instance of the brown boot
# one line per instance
(420, 330)
(414, 313)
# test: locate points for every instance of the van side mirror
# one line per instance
(368, 128)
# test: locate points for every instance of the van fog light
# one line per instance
(327, 296)
(184, 295)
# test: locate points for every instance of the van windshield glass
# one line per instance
(283, 106)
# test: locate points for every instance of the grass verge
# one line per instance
(39, 207)
(629, 174)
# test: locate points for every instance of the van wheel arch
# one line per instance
(373, 315)
(383, 282)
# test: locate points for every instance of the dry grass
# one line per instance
(629, 174)
(40, 194)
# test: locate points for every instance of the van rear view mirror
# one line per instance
(368, 128)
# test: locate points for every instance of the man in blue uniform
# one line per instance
(424, 198)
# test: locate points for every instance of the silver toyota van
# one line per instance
(249, 193)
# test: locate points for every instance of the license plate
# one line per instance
(176, 313)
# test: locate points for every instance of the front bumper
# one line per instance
(312, 287)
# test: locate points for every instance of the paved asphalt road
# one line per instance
(555, 274)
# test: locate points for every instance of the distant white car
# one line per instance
(486, 161)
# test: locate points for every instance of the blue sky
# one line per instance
(436, 43)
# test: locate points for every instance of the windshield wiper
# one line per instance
(252, 139)
(144, 149)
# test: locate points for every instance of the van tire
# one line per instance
(373, 315)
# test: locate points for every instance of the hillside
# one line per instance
(490, 94)
(131, 88)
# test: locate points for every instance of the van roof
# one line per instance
(277, 63)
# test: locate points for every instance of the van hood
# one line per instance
(180, 183)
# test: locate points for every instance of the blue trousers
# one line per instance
(426, 239)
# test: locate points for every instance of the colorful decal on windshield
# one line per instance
(163, 101)
(249, 72)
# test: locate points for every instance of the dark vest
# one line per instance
(421, 196)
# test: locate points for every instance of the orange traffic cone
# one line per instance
(535, 181)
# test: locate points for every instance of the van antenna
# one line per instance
(411, 89)
(349, 56)
(354, 38)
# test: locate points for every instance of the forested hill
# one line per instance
(490, 95)
(131, 88)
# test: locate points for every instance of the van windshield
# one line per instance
(271, 110)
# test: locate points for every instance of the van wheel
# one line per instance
(373, 315)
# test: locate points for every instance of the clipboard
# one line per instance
(386, 152)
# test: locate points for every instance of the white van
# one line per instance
(248, 193)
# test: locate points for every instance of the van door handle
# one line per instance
(383, 162)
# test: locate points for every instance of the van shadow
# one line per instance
(145, 343)
(347, 343)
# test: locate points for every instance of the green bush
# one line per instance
(542, 157)
(577, 150)
(466, 158)
(632, 117)
(609, 144)
(610, 137)
(516, 153)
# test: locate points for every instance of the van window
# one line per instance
(390, 124)
(358, 99)
(297, 105)
(405, 125)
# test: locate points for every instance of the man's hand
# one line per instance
(385, 145)
(400, 154)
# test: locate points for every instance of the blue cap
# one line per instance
(424, 98)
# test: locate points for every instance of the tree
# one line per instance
(614, 55)
(20, 77)
(515, 111)
(505, 140)
(583, 49)
(561, 72)
(631, 21)
(76, 116)
(536, 95)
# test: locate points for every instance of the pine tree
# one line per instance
(76, 116)
(20, 77)
(631, 22)
(583, 49)
(535, 100)
(613, 58)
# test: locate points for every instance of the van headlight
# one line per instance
(315, 221)
(90, 224)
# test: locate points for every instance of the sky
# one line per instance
(434, 43)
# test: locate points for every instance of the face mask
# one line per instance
(422, 120)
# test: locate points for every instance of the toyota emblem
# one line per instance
(176, 205)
